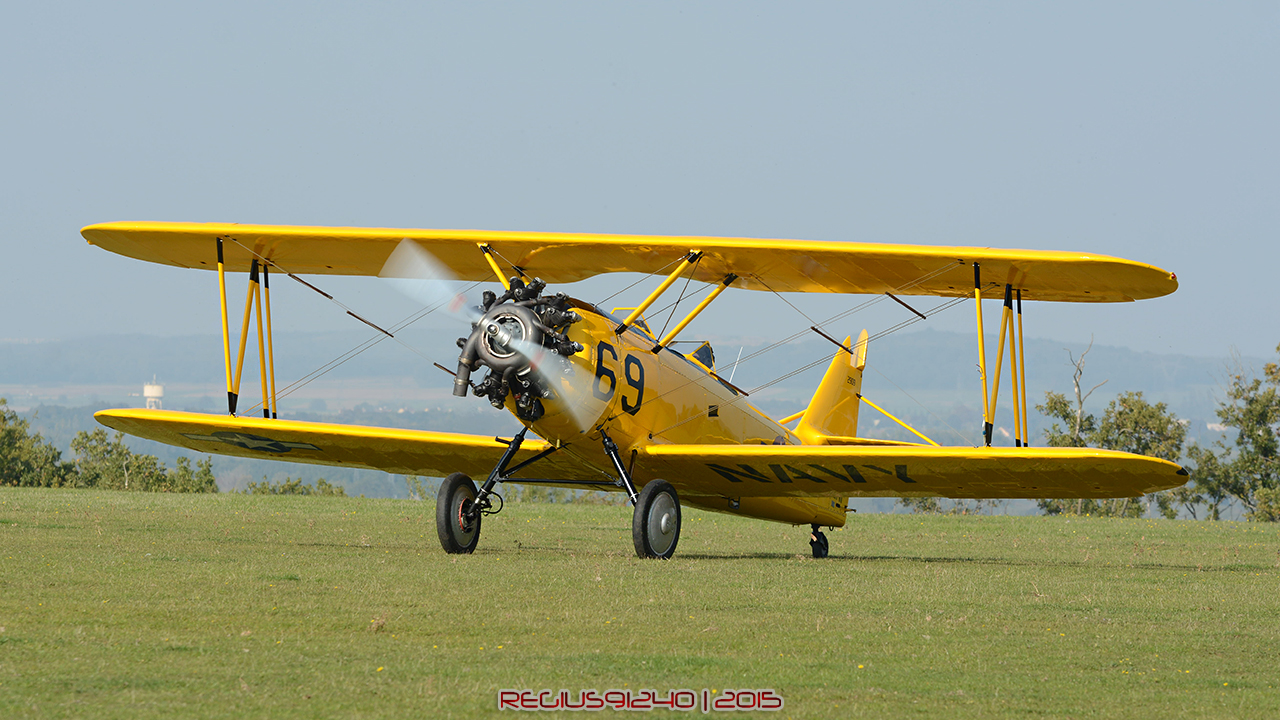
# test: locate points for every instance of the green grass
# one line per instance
(138, 605)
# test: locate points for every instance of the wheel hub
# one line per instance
(662, 524)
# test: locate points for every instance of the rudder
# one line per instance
(833, 410)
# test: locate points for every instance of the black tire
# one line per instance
(457, 492)
(655, 523)
(819, 544)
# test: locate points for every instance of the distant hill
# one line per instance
(198, 358)
(928, 378)
(937, 369)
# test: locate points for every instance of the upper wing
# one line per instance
(842, 471)
(781, 265)
(409, 452)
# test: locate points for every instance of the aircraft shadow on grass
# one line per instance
(548, 551)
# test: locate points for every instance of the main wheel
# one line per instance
(457, 534)
(818, 542)
(655, 524)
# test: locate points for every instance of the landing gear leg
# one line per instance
(459, 506)
(818, 542)
(624, 477)
(655, 522)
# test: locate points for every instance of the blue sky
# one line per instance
(1142, 130)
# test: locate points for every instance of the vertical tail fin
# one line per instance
(834, 407)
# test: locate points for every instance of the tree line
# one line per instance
(101, 461)
(104, 462)
(1244, 470)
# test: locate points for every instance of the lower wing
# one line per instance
(729, 471)
(880, 471)
(408, 452)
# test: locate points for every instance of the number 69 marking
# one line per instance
(632, 372)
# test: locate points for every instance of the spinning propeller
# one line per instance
(520, 336)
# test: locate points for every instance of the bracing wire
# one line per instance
(838, 316)
(692, 271)
(937, 417)
(845, 313)
(358, 349)
(671, 305)
(905, 323)
(788, 302)
(637, 282)
(342, 359)
(883, 333)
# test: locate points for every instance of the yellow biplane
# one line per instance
(615, 407)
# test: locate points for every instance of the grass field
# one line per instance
(138, 605)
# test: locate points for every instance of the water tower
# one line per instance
(154, 393)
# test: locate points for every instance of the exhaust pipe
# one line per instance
(466, 361)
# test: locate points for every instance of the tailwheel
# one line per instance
(457, 518)
(655, 524)
(818, 542)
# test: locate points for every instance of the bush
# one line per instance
(293, 486)
(26, 459)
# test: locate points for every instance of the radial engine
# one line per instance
(521, 337)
